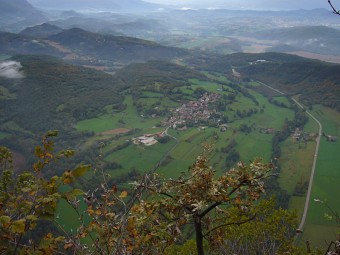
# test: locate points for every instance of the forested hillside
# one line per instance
(114, 48)
(315, 81)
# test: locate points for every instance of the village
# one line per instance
(199, 110)
(193, 111)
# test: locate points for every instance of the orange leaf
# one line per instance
(123, 194)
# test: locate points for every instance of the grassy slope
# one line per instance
(326, 182)
(191, 141)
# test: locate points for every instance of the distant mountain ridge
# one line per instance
(317, 39)
(85, 48)
(17, 14)
(13, 44)
(16, 7)
(115, 48)
(102, 5)
(41, 31)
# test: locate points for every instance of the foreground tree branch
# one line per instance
(335, 11)
(159, 217)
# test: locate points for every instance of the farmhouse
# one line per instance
(147, 139)
(331, 138)
(224, 127)
(297, 134)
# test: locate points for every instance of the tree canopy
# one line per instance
(196, 213)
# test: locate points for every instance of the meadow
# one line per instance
(296, 160)
(191, 142)
(326, 181)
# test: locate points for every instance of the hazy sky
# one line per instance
(249, 4)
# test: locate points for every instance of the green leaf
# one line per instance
(32, 217)
(18, 226)
(80, 170)
(67, 153)
(73, 194)
(4, 220)
(52, 133)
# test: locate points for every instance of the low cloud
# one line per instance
(11, 70)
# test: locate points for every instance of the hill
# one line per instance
(16, 14)
(56, 95)
(114, 48)
(165, 74)
(16, 7)
(41, 31)
(13, 44)
(117, 24)
(316, 39)
(315, 81)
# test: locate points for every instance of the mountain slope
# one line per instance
(41, 31)
(114, 48)
(18, 14)
(16, 7)
(316, 82)
(53, 94)
(13, 44)
(316, 39)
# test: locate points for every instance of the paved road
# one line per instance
(305, 210)
(311, 179)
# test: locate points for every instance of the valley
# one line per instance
(137, 94)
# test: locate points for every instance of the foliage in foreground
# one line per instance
(161, 217)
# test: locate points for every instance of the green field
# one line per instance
(192, 141)
(129, 116)
(68, 217)
(326, 181)
(282, 99)
(296, 162)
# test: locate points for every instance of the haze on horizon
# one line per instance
(246, 4)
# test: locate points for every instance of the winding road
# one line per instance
(311, 179)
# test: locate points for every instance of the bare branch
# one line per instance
(211, 207)
(334, 10)
(230, 224)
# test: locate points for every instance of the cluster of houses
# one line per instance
(147, 139)
(193, 111)
(300, 135)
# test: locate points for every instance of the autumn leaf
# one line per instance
(18, 226)
(68, 246)
(123, 194)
